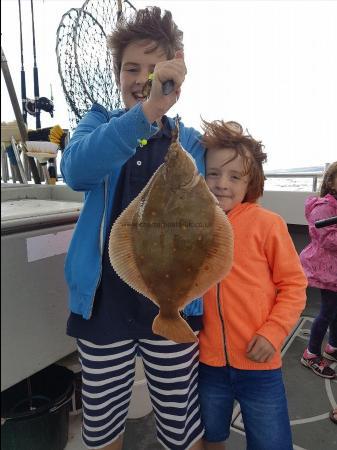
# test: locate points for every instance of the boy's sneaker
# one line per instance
(332, 356)
(318, 365)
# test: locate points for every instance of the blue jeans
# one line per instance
(263, 403)
(327, 318)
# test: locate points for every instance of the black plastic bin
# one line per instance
(35, 413)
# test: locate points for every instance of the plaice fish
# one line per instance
(173, 242)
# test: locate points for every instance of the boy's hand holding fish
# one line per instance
(158, 104)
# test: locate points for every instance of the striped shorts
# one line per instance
(171, 371)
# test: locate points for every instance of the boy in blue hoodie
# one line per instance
(111, 157)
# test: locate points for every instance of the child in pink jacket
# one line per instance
(319, 260)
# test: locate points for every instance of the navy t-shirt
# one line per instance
(119, 312)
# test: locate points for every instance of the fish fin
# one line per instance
(173, 328)
(218, 260)
(121, 251)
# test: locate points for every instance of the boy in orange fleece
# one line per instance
(248, 315)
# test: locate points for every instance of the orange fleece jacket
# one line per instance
(264, 293)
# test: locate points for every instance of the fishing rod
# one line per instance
(23, 93)
(38, 104)
(17, 113)
(35, 73)
(23, 73)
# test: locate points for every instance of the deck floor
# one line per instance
(310, 398)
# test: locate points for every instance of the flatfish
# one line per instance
(173, 241)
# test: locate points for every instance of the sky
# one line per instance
(270, 65)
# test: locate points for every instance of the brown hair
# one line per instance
(146, 24)
(230, 135)
(328, 178)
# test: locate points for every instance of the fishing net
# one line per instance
(84, 62)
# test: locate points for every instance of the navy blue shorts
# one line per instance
(171, 371)
(262, 400)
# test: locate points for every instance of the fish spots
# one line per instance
(199, 237)
(167, 275)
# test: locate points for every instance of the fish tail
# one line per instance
(173, 328)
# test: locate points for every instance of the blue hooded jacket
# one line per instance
(101, 144)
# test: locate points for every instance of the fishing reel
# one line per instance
(42, 103)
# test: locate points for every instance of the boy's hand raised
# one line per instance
(158, 104)
(260, 349)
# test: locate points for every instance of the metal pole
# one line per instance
(4, 164)
(17, 112)
(23, 177)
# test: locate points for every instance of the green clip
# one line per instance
(141, 142)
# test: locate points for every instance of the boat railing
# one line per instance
(268, 174)
(314, 175)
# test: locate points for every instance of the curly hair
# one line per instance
(148, 24)
(220, 135)
(328, 179)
